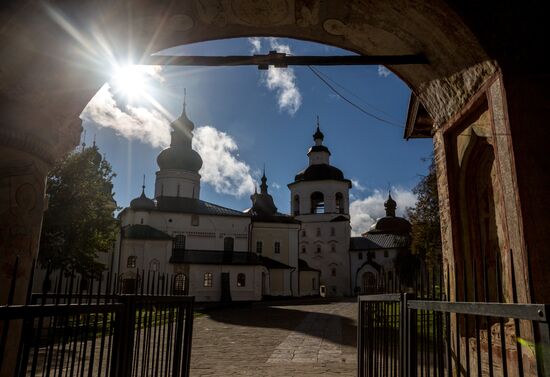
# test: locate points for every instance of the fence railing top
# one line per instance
(532, 312)
(381, 297)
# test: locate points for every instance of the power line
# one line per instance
(328, 78)
(389, 122)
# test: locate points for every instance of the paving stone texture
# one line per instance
(305, 338)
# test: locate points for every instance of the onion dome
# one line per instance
(391, 223)
(142, 202)
(318, 134)
(262, 203)
(180, 154)
(320, 172)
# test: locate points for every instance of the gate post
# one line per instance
(411, 337)
(123, 338)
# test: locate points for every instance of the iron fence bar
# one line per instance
(532, 312)
(188, 337)
(360, 345)
(392, 297)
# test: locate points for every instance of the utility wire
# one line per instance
(328, 78)
(389, 122)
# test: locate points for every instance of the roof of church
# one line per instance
(216, 257)
(303, 266)
(272, 264)
(319, 172)
(194, 206)
(370, 241)
(143, 232)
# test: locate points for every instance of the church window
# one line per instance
(241, 280)
(318, 249)
(333, 271)
(318, 232)
(333, 248)
(169, 220)
(195, 220)
(303, 250)
(179, 284)
(332, 231)
(303, 233)
(339, 202)
(386, 253)
(259, 246)
(228, 244)
(313, 284)
(296, 205)
(154, 265)
(277, 248)
(179, 242)
(131, 261)
(141, 222)
(360, 256)
(317, 202)
(207, 279)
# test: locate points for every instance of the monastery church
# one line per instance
(221, 254)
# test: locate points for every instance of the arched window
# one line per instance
(228, 244)
(179, 284)
(332, 248)
(317, 202)
(339, 202)
(241, 280)
(333, 271)
(303, 250)
(154, 265)
(296, 205)
(360, 255)
(207, 279)
(131, 261)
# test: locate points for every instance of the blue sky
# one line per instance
(245, 118)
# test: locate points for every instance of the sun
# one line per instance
(129, 80)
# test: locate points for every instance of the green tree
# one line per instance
(424, 218)
(79, 221)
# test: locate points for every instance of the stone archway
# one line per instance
(54, 60)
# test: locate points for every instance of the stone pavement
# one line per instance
(299, 338)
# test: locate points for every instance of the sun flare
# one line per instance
(130, 80)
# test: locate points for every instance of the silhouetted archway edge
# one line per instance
(55, 59)
(70, 42)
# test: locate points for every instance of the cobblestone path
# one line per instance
(306, 338)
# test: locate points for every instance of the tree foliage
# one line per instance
(424, 218)
(79, 221)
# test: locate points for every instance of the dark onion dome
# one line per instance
(391, 224)
(180, 159)
(321, 172)
(180, 155)
(318, 134)
(142, 202)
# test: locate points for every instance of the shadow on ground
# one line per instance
(280, 315)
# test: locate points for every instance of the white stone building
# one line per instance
(320, 201)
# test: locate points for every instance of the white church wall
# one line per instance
(384, 257)
(177, 183)
(250, 292)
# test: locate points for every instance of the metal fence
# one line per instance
(421, 333)
(87, 327)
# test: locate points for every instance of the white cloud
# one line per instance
(356, 185)
(383, 71)
(134, 122)
(221, 168)
(364, 212)
(276, 186)
(256, 44)
(280, 80)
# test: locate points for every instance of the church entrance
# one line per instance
(369, 283)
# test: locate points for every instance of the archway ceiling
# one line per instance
(46, 65)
